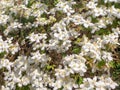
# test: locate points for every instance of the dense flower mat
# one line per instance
(59, 44)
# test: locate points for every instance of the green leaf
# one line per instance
(2, 54)
(117, 5)
(116, 23)
(94, 20)
(76, 50)
(78, 40)
(44, 15)
(103, 32)
(50, 67)
(30, 3)
(50, 3)
(112, 64)
(79, 80)
(101, 63)
(42, 51)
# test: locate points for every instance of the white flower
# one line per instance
(11, 79)
(101, 24)
(14, 48)
(111, 1)
(91, 5)
(36, 37)
(65, 7)
(38, 40)
(77, 19)
(107, 56)
(4, 19)
(114, 11)
(98, 83)
(39, 58)
(92, 50)
(109, 83)
(6, 63)
(24, 81)
(62, 73)
(116, 30)
(4, 88)
(99, 12)
(76, 63)
(26, 1)
(88, 83)
(57, 84)
(87, 23)
(110, 39)
(3, 45)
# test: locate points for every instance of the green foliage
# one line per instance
(59, 15)
(103, 32)
(25, 20)
(117, 67)
(50, 3)
(63, 54)
(2, 54)
(78, 6)
(55, 2)
(112, 64)
(78, 40)
(116, 23)
(44, 15)
(94, 20)
(42, 51)
(108, 4)
(101, 2)
(101, 63)
(30, 2)
(76, 49)
(49, 67)
(116, 74)
(2, 28)
(78, 79)
(117, 5)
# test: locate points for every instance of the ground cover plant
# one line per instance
(59, 44)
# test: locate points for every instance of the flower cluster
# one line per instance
(98, 83)
(59, 44)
